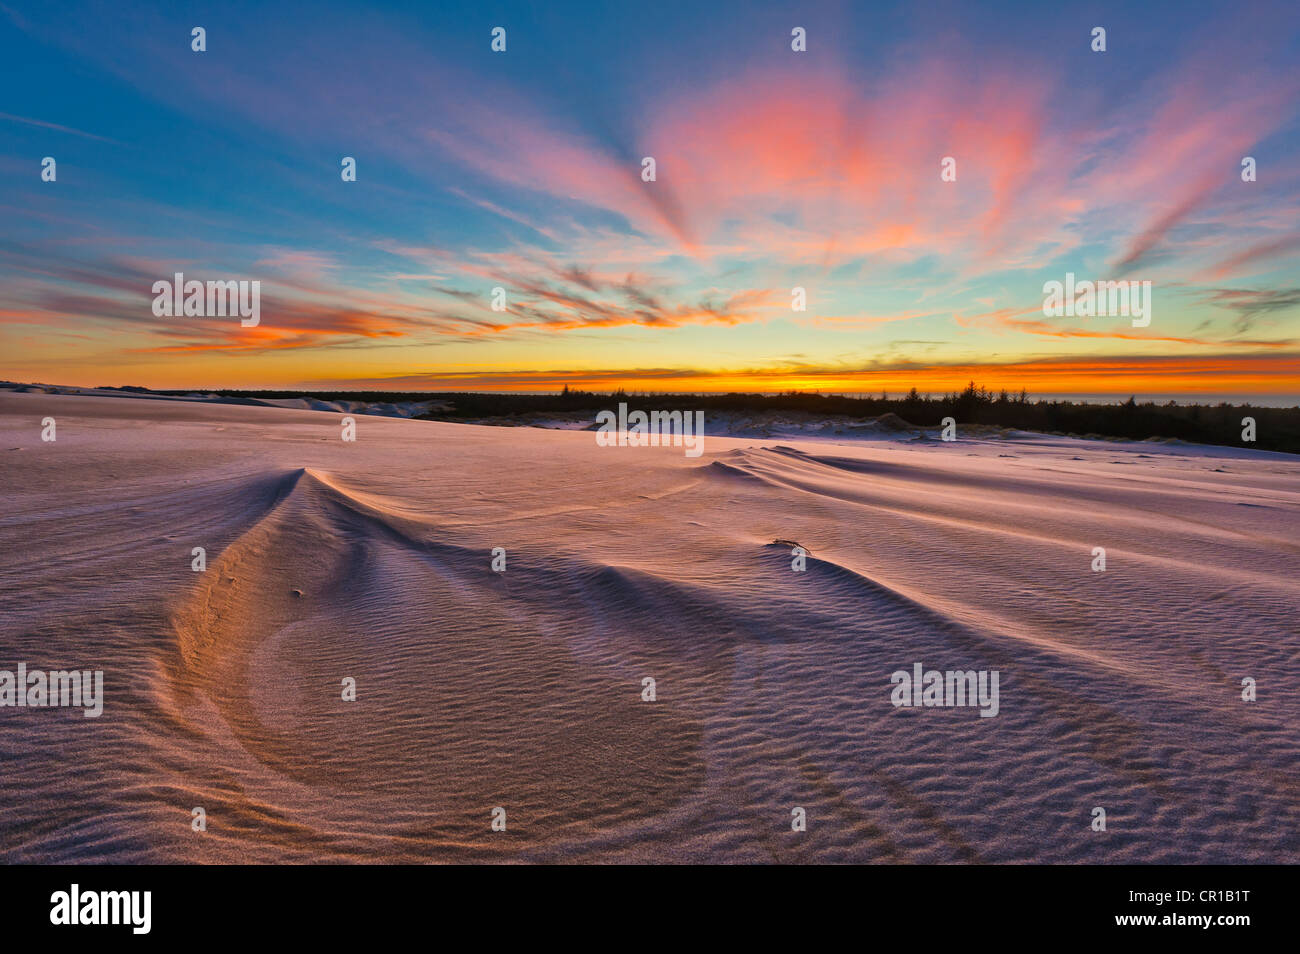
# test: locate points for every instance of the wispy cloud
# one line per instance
(42, 124)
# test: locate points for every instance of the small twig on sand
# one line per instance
(791, 544)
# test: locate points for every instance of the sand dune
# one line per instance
(371, 560)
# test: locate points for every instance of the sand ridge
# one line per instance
(477, 689)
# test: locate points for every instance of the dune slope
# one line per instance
(370, 561)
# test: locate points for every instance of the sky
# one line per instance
(775, 169)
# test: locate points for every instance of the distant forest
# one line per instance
(1276, 428)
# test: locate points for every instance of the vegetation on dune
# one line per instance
(1276, 428)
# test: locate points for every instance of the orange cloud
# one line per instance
(1262, 374)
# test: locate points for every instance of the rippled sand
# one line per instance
(371, 560)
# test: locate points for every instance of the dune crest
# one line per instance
(526, 689)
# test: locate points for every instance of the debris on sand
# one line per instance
(791, 544)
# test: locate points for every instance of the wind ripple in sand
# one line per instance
(475, 689)
(463, 702)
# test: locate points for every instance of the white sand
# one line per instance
(1119, 689)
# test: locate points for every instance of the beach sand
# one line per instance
(370, 560)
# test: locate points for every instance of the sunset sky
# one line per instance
(775, 169)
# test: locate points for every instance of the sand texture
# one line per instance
(371, 560)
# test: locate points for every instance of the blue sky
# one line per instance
(776, 169)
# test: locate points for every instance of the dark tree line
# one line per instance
(1276, 428)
